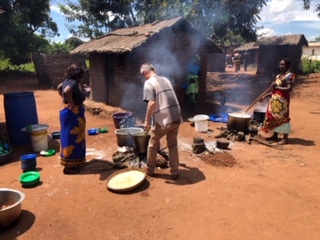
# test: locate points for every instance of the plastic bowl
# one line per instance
(92, 131)
(55, 135)
(28, 162)
(48, 152)
(29, 179)
(103, 130)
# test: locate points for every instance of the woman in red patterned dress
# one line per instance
(277, 118)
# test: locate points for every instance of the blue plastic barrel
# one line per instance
(20, 110)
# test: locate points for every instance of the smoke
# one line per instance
(170, 52)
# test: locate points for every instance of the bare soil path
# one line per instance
(267, 194)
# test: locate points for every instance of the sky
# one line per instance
(279, 17)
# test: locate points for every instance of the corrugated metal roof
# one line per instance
(126, 39)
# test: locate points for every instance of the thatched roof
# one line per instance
(298, 39)
(247, 47)
(127, 39)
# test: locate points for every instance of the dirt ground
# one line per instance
(268, 193)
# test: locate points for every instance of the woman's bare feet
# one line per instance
(283, 142)
(273, 138)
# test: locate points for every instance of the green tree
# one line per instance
(22, 25)
(216, 18)
(307, 4)
(97, 17)
(59, 48)
(74, 42)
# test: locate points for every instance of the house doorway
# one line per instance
(109, 79)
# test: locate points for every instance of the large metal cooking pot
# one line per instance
(123, 137)
(238, 122)
(140, 142)
(10, 206)
(259, 115)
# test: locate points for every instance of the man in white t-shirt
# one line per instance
(164, 109)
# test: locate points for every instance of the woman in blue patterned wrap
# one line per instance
(72, 120)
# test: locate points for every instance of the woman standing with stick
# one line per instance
(277, 116)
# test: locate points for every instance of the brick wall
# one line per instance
(116, 79)
(50, 68)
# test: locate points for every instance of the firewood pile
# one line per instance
(132, 160)
(233, 135)
(248, 137)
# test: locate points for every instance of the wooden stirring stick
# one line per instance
(258, 98)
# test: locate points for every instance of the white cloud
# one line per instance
(266, 32)
(54, 8)
(283, 11)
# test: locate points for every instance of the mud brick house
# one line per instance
(272, 49)
(115, 60)
(268, 51)
(252, 49)
(312, 51)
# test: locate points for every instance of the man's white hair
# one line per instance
(146, 67)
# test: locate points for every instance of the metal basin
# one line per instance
(10, 204)
(123, 135)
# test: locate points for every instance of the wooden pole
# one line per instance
(258, 98)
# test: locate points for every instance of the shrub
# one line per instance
(310, 66)
(6, 66)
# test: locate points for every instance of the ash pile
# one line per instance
(213, 154)
(125, 157)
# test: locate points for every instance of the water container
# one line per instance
(20, 111)
(201, 122)
(39, 137)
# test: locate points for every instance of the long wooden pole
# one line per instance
(258, 98)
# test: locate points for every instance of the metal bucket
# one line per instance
(140, 142)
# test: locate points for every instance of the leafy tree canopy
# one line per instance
(307, 4)
(218, 19)
(20, 20)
